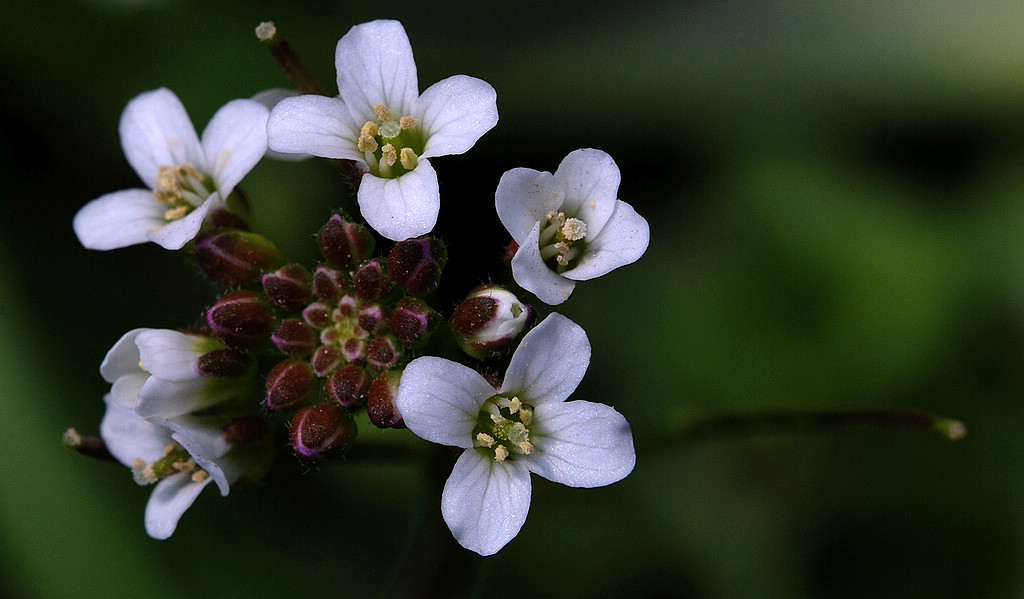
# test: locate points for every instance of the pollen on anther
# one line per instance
(367, 143)
(408, 122)
(382, 112)
(388, 155)
(485, 440)
(200, 475)
(500, 453)
(409, 159)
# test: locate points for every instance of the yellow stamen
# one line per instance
(382, 112)
(409, 159)
(388, 155)
(408, 122)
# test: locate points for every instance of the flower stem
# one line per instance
(288, 60)
(773, 423)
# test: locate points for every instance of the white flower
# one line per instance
(158, 372)
(526, 426)
(569, 226)
(382, 122)
(181, 456)
(186, 177)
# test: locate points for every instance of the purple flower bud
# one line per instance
(288, 287)
(246, 429)
(412, 320)
(488, 321)
(329, 284)
(371, 282)
(325, 360)
(383, 353)
(236, 258)
(320, 431)
(348, 386)
(240, 319)
(294, 337)
(317, 314)
(354, 349)
(371, 316)
(380, 403)
(224, 363)
(416, 264)
(345, 244)
(289, 383)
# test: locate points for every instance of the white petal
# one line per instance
(439, 400)
(315, 125)
(125, 390)
(375, 66)
(170, 355)
(168, 502)
(622, 241)
(580, 444)
(549, 363)
(523, 198)
(234, 141)
(485, 502)
(175, 234)
(205, 443)
(123, 358)
(270, 98)
(403, 207)
(156, 131)
(118, 219)
(455, 113)
(591, 183)
(129, 436)
(533, 275)
(169, 399)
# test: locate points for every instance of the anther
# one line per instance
(382, 112)
(408, 122)
(409, 159)
(389, 155)
(500, 453)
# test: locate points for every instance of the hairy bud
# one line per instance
(288, 287)
(289, 383)
(320, 431)
(415, 265)
(345, 244)
(380, 403)
(489, 320)
(240, 319)
(236, 258)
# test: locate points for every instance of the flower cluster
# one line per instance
(364, 330)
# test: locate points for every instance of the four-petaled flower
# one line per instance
(187, 177)
(525, 426)
(569, 225)
(154, 422)
(382, 122)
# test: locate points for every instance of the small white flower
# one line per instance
(526, 426)
(569, 226)
(157, 372)
(187, 177)
(181, 456)
(382, 122)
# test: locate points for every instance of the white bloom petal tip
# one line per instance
(526, 426)
(569, 225)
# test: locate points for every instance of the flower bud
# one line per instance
(240, 319)
(294, 337)
(411, 321)
(348, 386)
(246, 429)
(416, 264)
(380, 403)
(224, 363)
(289, 383)
(329, 284)
(371, 316)
(345, 244)
(325, 359)
(236, 258)
(288, 287)
(383, 353)
(371, 282)
(317, 314)
(488, 321)
(320, 431)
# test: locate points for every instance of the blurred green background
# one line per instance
(836, 200)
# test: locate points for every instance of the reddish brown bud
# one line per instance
(329, 284)
(412, 320)
(247, 429)
(317, 314)
(371, 282)
(224, 363)
(236, 258)
(320, 431)
(289, 383)
(416, 264)
(383, 353)
(348, 386)
(488, 321)
(288, 287)
(380, 403)
(294, 337)
(325, 360)
(345, 244)
(371, 316)
(240, 319)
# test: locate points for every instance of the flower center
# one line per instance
(175, 460)
(182, 189)
(391, 146)
(562, 240)
(503, 427)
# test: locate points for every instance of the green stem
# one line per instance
(774, 423)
